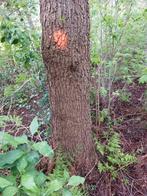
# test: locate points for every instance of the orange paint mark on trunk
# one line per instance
(61, 39)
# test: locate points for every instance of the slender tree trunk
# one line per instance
(65, 49)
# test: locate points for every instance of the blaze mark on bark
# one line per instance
(61, 39)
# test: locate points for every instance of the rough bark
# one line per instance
(65, 49)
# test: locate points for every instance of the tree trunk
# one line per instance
(65, 49)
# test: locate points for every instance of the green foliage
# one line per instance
(117, 53)
(104, 115)
(143, 78)
(43, 148)
(10, 190)
(20, 156)
(34, 126)
(113, 159)
(75, 181)
(20, 58)
(4, 183)
(22, 161)
(16, 35)
(61, 183)
(124, 95)
(8, 118)
(103, 92)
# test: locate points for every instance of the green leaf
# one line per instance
(22, 164)
(66, 193)
(55, 185)
(21, 78)
(11, 178)
(28, 182)
(101, 167)
(21, 140)
(11, 190)
(40, 178)
(66, 175)
(4, 183)
(33, 157)
(43, 148)
(34, 126)
(10, 157)
(100, 148)
(7, 139)
(9, 91)
(143, 79)
(76, 180)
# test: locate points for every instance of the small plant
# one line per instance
(104, 115)
(64, 185)
(61, 175)
(9, 118)
(113, 159)
(124, 95)
(20, 161)
(19, 157)
(143, 78)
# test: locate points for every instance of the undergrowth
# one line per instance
(19, 158)
(112, 157)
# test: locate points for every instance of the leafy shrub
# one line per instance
(21, 160)
(20, 156)
(113, 159)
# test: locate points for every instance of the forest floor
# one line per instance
(133, 131)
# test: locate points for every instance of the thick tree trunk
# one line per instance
(65, 48)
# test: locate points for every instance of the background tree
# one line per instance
(65, 49)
